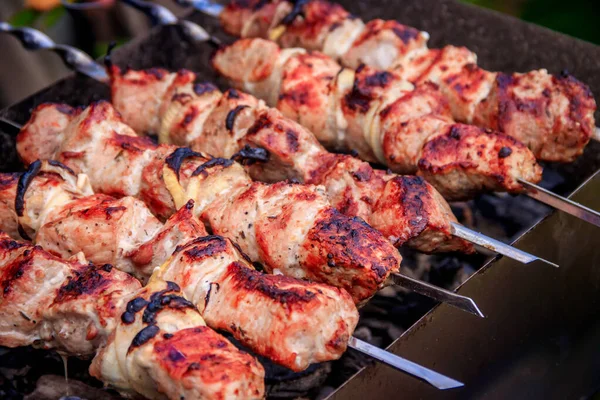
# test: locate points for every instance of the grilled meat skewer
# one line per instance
(210, 270)
(55, 210)
(384, 118)
(338, 233)
(224, 124)
(33, 40)
(79, 309)
(200, 116)
(396, 205)
(553, 115)
(193, 361)
(290, 228)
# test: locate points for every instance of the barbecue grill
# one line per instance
(535, 316)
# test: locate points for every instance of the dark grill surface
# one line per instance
(502, 44)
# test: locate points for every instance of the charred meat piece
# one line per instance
(553, 115)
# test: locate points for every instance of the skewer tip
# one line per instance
(474, 309)
(11, 124)
(436, 293)
(541, 260)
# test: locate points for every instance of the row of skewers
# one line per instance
(552, 115)
(232, 125)
(431, 217)
(58, 210)
(140, 92)
(408, 135)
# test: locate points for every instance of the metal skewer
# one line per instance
(439, 381)
(160, 15)
(437, 293)
(496, 245)
(561, 203)
(12, 124)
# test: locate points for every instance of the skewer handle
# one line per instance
(434, 378)
(160, 15)
(75, 59)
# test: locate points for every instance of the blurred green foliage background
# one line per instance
(578, 18)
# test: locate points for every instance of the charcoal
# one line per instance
(51, 387)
